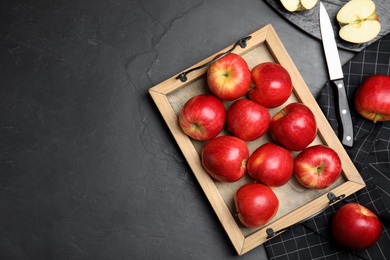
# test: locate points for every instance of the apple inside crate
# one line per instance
(296, 203)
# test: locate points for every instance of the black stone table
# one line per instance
(88, 167)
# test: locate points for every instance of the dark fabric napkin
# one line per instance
(371, 156)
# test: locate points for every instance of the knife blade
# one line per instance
(336, 76)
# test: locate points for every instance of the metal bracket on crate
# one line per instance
(242, 43)
(332, 199)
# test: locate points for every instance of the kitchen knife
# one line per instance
(336, 76)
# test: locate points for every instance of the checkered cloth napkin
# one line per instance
(371, 156)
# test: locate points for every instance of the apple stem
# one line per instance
(196, 127)
(376, 117)
(320, 169)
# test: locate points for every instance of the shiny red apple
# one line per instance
(229, 77)
(247, 119)
(294, 127)
(225, 158)
(355, 226)
(202, 117)
(317, 167)
(372, 98)
(271, 164)
(272, 84)
(256, 204)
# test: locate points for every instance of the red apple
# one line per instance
(355, 226)
(317, 167)
(294, 127)
(225, 157)
(229, 77)
(247, 119)
(272, 84)
(202, 117)
(256, 204)
(271, 164)
(372, 99)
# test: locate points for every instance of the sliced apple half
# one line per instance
(358, 21)
(298, 5)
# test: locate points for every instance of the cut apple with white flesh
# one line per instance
(358, 21)
(298, 5)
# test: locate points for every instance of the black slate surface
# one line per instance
(308, 20)
(88, 168)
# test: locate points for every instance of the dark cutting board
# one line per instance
(308, 20)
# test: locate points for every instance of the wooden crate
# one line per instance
(296, 202)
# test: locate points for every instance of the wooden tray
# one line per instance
(296, 202)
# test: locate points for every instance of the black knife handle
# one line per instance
(345, 114)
